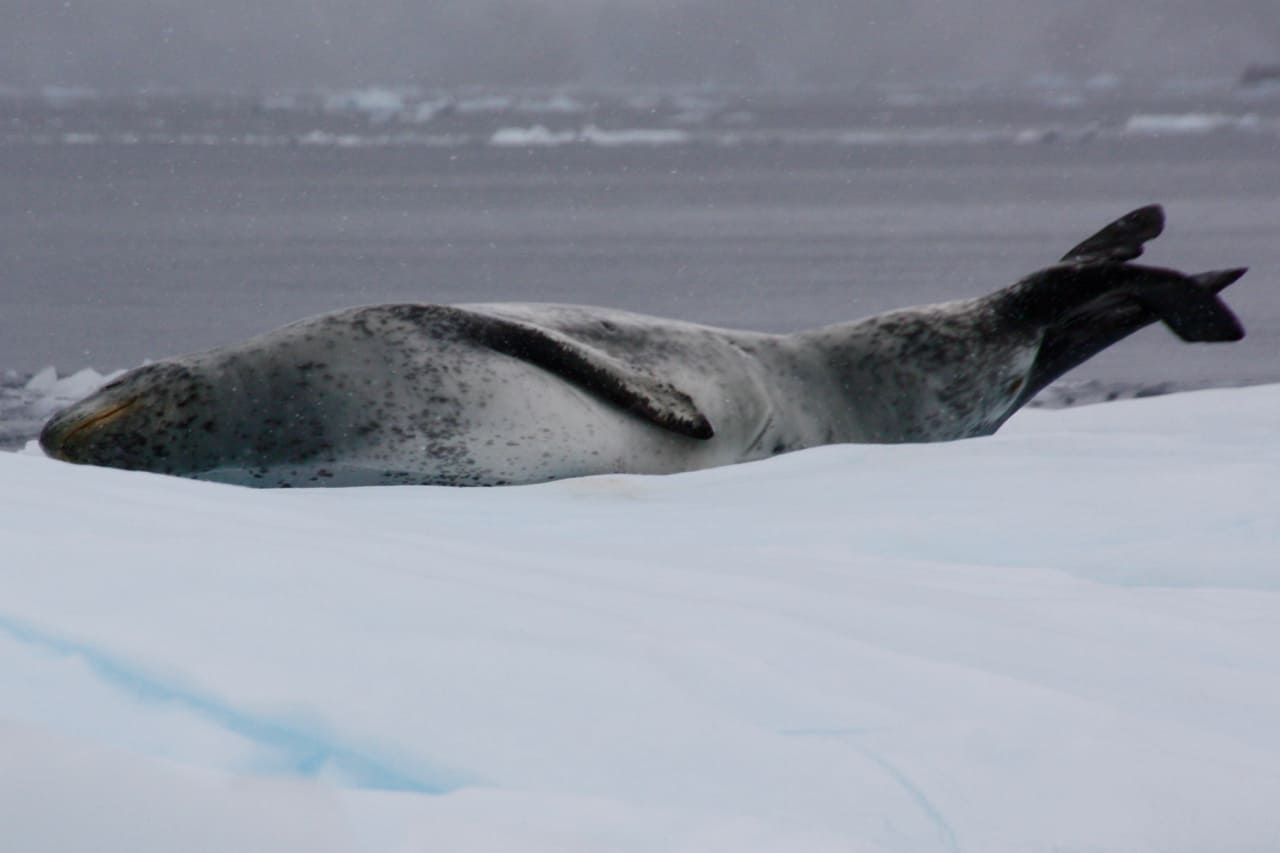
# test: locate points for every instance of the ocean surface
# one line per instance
(134, 227)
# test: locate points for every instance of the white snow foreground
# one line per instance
(1065, 637)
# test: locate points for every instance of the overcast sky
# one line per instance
(262, 45)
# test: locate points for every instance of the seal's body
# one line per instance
(517, 393)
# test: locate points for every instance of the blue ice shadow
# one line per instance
(303, 750)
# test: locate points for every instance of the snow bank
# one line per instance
(1061, 637)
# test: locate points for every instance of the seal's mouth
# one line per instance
(60, 435)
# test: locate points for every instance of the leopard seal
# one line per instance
(491, 394)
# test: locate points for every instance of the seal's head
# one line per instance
(282, 409)
(150, 419)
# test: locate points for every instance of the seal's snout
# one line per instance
(51, 439)
(69, 433)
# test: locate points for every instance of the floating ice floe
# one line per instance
(540, 136)
(377, 104)
(27, 402)
(48, 384)
(635, 136)
(531, 137)
(339, 140)
(1156, 124)
(425, 111)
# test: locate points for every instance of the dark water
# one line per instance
(114, 250)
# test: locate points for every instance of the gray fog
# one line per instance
(263, 45)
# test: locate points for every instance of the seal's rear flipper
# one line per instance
(1189, 306)
(1219, 280)
(1192, 313)
(1121, 240)
(1061, 295)
(1085, 309)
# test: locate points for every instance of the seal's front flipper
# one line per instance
(592, 370)
(1121, 240)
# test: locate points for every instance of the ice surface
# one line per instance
(1062, 637)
